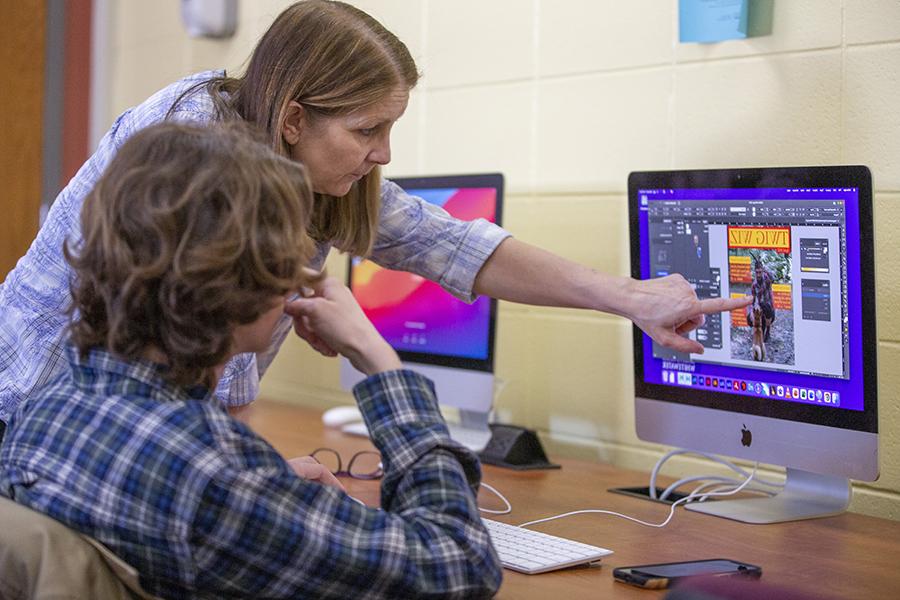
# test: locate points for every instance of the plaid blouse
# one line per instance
(413, 235)
(205, 508)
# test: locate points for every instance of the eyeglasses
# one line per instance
(365, 464)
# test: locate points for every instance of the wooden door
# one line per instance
(22, 32)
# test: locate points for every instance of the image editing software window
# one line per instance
(787, 250)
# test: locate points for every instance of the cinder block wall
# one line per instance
(566, 97)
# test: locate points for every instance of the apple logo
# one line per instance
(746, 436)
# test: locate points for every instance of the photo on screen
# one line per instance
(759, 266)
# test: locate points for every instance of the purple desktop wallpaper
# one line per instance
(417, 315)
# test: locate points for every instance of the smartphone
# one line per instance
(660, 576)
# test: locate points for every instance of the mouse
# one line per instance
(341, 415)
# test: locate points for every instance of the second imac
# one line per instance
(791, 379)
(448, 340)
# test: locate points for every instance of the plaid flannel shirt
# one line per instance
(205, 508)
(413, 235)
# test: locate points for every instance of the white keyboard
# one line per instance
(533, 552)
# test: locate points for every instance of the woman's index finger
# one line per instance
(714, 305)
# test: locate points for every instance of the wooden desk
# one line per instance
(849, 556)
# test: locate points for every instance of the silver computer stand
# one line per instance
(805, 496)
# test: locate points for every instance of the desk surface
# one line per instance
(848, 556)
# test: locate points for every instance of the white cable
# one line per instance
(658, 466)
(715, 480)
(705, 495)
(720, 488)
(717, 488)
(712, 491)
(505, 511)
(664, 523)
(681, 482)
(775, 484)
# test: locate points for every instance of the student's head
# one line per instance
(190, 241)
(327, 82)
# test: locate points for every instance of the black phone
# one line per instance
(662, 575)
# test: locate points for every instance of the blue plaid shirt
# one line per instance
(205, 508)
(413, 236)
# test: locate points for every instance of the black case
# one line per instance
(515, 448)
(643, 576)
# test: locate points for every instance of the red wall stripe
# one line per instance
(77, 86)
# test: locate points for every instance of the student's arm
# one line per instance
(260, 531)
(664, 307)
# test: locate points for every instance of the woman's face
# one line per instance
(339, 151)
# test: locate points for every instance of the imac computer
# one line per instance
(436, 334)
(791, 379)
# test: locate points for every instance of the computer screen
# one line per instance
(416, 316)
(798, 241)
(442, 337)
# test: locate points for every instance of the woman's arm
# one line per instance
(664, 307)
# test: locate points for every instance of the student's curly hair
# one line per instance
(190, 231)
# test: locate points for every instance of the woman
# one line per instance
(326, 83)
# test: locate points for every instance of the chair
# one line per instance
(42, 559)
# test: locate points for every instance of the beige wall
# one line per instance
(566, 97)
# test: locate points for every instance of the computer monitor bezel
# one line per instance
(477, 180)
(775, 177)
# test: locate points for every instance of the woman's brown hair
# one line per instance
(332, 59)
(189, 232)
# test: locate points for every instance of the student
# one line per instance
(326, 83)
(193, 239)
